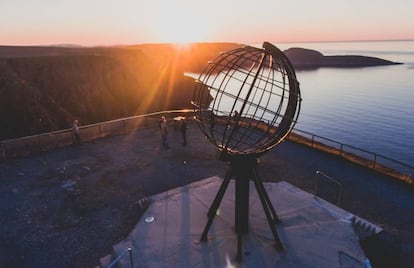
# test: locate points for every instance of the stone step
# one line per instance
(364, 228)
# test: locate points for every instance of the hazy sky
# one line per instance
(107, 22)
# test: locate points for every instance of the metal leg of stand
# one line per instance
(262, 193)
(241, 212)
(215, 205)
(266, 196)
(239, 248)
(241, 217)
(217, 200)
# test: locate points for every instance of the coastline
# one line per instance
(345, 104)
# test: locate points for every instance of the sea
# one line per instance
(371, 108)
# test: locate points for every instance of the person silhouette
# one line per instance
(75, 132)
(164, 132)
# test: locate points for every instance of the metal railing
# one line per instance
(131, 260)
(52, 140)
(377, 162)
(327, 191)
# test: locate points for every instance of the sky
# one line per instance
(117, 22)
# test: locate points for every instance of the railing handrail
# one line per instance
(128, 250)
(375, 155)
(395, 168)
(354, 147)
(97, 124)
(337, 183)
(401, 175)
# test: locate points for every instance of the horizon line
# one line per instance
(75, 45)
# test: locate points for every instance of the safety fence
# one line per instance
(45, 142)
(52, 140)
(377, 162)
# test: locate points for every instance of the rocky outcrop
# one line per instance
(309, 59)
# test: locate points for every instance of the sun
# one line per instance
(179, 30)
(179, 33)
(178, 23)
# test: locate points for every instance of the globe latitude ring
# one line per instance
(247, 100)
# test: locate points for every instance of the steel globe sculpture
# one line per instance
(246, 102)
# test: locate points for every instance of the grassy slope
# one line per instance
(45, 88)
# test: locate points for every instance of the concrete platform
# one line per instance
(314, 232)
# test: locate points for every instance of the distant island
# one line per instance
(44, 88)
(302, 58)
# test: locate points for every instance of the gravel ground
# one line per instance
(67, 208)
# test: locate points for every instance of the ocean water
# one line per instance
(371, 108)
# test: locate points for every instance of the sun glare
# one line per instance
(180, 24)
(178, 31)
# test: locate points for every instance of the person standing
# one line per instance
(75, 132)
(164, 132)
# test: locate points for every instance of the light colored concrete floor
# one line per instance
(313, 232)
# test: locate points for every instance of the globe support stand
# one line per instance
(243, 169)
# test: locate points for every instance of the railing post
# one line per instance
(337, 183)
(130, 257)
(313, 139)
(375, 161)
(341, 149)
(120, 256)
(315, 190)
(3, 151)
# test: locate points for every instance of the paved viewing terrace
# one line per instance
(69, 206)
